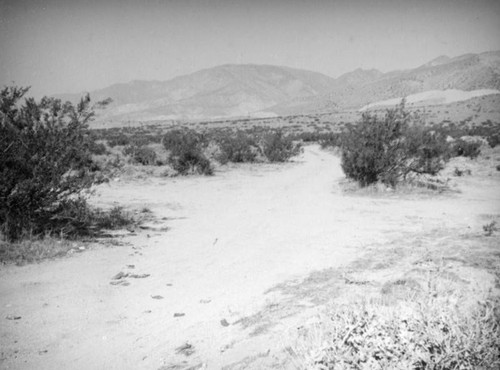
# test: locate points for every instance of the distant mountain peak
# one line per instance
(236, 90)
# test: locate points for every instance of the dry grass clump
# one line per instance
(424, 334)
(35, 250)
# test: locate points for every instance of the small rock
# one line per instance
(179, 314)
(120, 275)
(156, 297)
(138, 276)
(13, 317)
(224, 322)
(186, 349)
(120, 282)
(131, 266)
(205, 301)
(81, 248)
(169, 284)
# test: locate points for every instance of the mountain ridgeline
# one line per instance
(264, 90)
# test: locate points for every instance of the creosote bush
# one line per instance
(237, 147)
(389, 149)
(277, 147)
(141, 154)
(186, 152)
(45, 165)
(463, 148)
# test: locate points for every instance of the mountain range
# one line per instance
(265, 90)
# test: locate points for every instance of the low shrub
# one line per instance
(463, 148)
(191, 161)
(458, 172)
(141, 154)
(493, 140)
(277, 147)
(186, 152)
(329, 140)
(490, 228)
(236, 147)
(413, 335)
(75, 218)
(98, 148)
(118, 140)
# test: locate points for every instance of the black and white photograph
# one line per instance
(250, 184)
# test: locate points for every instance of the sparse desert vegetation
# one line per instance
(276, 189)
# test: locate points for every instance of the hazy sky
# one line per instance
(61, 46)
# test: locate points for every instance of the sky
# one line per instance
(71, 46)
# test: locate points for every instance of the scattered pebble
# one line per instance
(13, 317)
(120, 275)
(205, 301)
(120, 282)
(179, 314)
(131, 266)
(138, 276)
(169, 284)
(186, 349)
(156, 297)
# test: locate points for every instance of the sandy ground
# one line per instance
(232, 239)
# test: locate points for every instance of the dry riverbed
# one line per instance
(233, 264)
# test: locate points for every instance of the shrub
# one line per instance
(140, 154)
(186, 152)
(75, 218)
(45, 161)
(490, 228)
(493, 140)
(120, 139)
(329, 140)
(470, 149)
(278, 148)
(97, 148)
(238, 148)
(390, 148)
(414, 335)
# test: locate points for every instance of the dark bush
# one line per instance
(470, 149)
(237, 147)
(493, 140)
(97, 148)
(45, 162)
(426, 150)
(278, 148)
(388, 149)
(120, 139)
(191, 161)
(186, 152)
(141, 154)
(75, 218)
(329, 140)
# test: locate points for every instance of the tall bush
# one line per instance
(388, 149)
(45, 160)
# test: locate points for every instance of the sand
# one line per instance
(231, 238)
